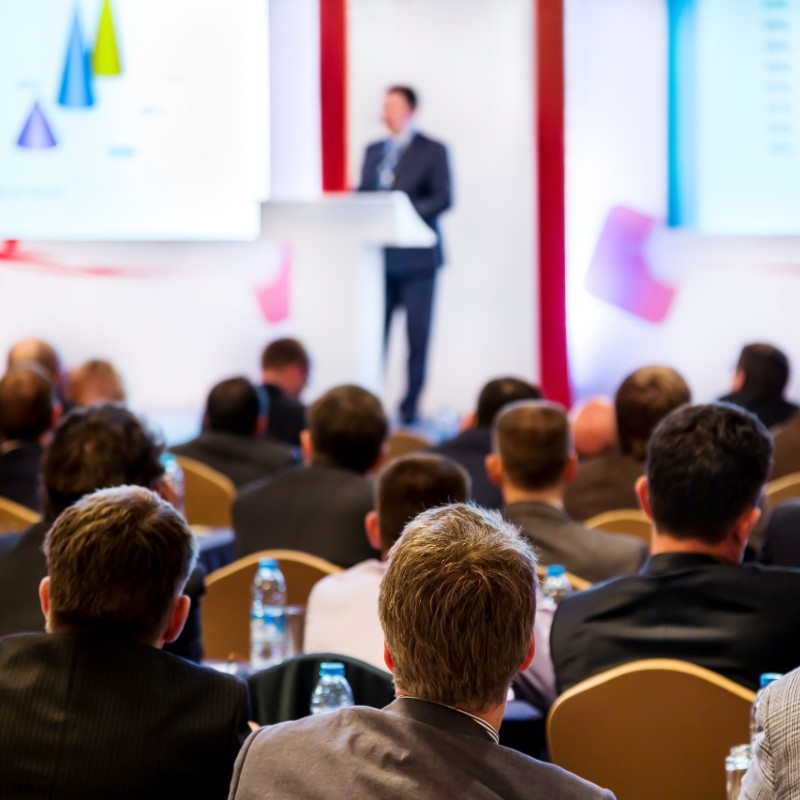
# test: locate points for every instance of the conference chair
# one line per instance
(15, 517)
(576, 582)
(208, 495)
(403, 442)
(623, 520)
(781, 489)
(658, 729)
(225, 608)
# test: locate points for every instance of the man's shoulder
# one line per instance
(428, 142)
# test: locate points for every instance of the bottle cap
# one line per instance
(555, 570)
(268, 563)
(768, 677)
(331, 668)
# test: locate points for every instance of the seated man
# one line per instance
(693, 599)
(533, 461)
(594, 428)
(285, 367)
(94, 708)
(342, 610)
(232, 440)
(320, 508)
(457, 607)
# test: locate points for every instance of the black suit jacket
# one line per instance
(243, 459)
(286, 416)
(20, 475)
(22, 569)
(96, 717)
(318, 509)
(736, 619)
(771, 410)
(603, 484)
(423, 173)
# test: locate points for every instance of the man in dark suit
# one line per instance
(457, 609)
(92, 448)
(412, 163)
(532, 462)
(232, 440)
(94, 708)
(693, 599)
(285, 367)
(471, 447)
(320, 508)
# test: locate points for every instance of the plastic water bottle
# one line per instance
(333, 691)
(556, 585)
(765, 680)
(268, 616)
(174, 480)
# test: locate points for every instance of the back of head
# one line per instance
(26, 403)
(412, 484)
(283, 353)
(643, 399)
(765, 369)
(594, 427)
(95, 448)
(95, 381)
(348, 428)
(233, 406)
(37, 351)
(500, 392)
(533, 440)
(706, 465)
(457, 606)
(117, 560)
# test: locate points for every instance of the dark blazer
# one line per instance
(593, 555)
(243, 459)
(603, 484)
(286, 416)
(411, 748)
(771, 410)
(94, 717)
(318, 509)
(786, 457)
(22, 569)
(470, 448)
(736, 619)
(20, 475)
(781, 546)
(423, 173)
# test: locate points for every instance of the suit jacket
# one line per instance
(781, 546)
(470, 448)
(774, 772)
(411, 748)
(23, 567)
(96, 717)
(20, 475)
(786, 457)
(603, 484)
(423, 173)
(736, 619)
(318, 509)
(286, 416)
(771, 410)
(593, 555)
(243, 459)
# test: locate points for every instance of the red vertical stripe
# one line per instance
(333, 89)
(549, 48)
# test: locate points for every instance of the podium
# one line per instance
(336, 301)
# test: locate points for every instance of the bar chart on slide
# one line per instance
(133, 119)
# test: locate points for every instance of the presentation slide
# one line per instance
(133, 119)
(734, 99)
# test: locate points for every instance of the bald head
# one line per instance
(37, 352)
(26, 404)
(594, 427)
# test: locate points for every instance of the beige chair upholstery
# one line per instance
(15, 517)
(782, 489)
(225, 607)
(402, 442)
(208, 496)
(657, 730)
(576, 582)
(623, 520)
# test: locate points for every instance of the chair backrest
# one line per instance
(225, 608)
(283, 692)
(576, 582)
(208, 496)
(15, 517)
(632, 521)
(402, 442)
(781, 489)
(657, 729)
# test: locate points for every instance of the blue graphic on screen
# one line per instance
(734, 110)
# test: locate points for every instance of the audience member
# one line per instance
(94, 708)
(693, 599)
(762, 373)
(25, 351)
(781, 545)
(474, 443)
(285, 367)
(232, 440)
(92, 448)
(320, 508)
(594, 428)
(532, 462)
(457, 609)
(95, 381)
(29, 410)
(342, 610)
(607, 483)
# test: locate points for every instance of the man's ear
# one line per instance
(643, 495)
(470, 421)
(528, 660)
(745, 524)
(571, 470)
(44, 596)
(387, 658)
(177, 619)
(373, 530)
(380, 459)
(494, 469)
(306, 446)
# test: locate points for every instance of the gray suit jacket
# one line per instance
(774, 772)
(593, 555)
(411, 748)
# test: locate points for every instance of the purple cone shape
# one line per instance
(36, 135)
